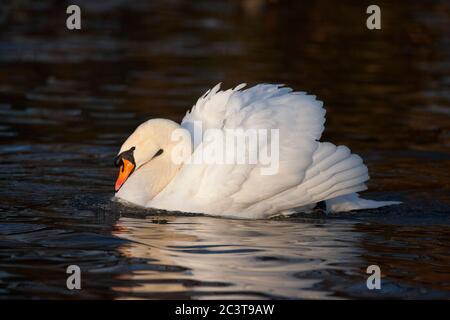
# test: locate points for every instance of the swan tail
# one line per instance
(354, 202)
(336, 176)
(334, 172)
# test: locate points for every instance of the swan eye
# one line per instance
(160, 151)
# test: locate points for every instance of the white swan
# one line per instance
(307, 172)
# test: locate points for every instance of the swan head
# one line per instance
(149, 149)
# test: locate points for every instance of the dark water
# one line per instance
(68, 99)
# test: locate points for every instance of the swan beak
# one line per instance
(126, 169)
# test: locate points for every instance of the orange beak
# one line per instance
(125, 170)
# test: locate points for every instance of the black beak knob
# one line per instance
(128, 155)
(117, 161)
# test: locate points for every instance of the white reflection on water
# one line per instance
(237, 258)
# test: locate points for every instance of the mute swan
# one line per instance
(157, 169)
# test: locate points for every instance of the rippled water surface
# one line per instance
(68, 99)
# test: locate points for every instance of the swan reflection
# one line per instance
(207, 257)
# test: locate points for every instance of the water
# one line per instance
(69, 99)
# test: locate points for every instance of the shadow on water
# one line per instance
(68, 100)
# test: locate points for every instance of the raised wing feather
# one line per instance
(231, 188)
